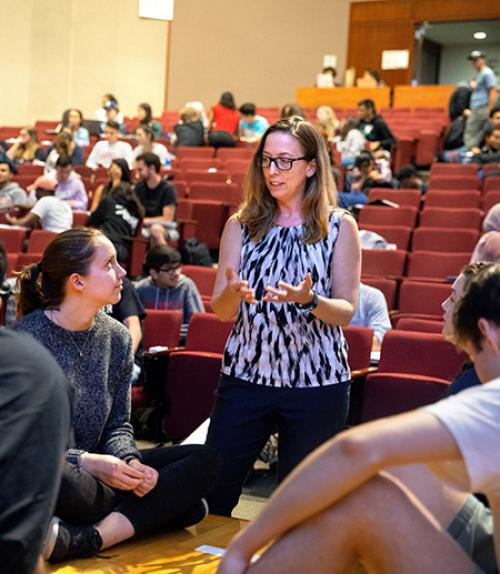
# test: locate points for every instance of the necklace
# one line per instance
(70, 336)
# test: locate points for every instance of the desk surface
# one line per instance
(172, 552)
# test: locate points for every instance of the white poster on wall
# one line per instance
(156, 9)
(395, 59)
(330, 61)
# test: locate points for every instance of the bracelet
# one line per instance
(309, 307)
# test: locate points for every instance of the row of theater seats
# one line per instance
(415, 368)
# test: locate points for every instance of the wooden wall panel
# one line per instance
(390, 25)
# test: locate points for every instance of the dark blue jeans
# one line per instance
(245, 415)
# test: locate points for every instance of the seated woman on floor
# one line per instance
(110, 490)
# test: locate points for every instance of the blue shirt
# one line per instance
(255, 128)
(485, 80)
(371, 311)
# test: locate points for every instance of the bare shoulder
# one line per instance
(348, 225)
(233, 226)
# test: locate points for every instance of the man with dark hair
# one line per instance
(483, 99)
(70, 187)
(166, 287)
(408, 179)
(252, 126)
(10, 192)
(110, 148)
(490, 151)
(35, 418)
(158, 198)
(373, 127)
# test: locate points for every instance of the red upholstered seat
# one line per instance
(392, 233)
(39, 239)
(444, 240)
(419, 325)
(424, 298)
(192, 378)
(383, 263)
(490, 199)
(229, 193)
(435, 265)
(405, 197)
(454, 182)
(207, 333)
(204, 277)
(12, 239)
(454, 218)
(162, 328)
(453, 169)
(233, 153)
(454, 199)
(387, 286)
(201, 164)
(381, 215)
(359, 340)
(194, 152)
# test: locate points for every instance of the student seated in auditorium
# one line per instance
(373, 127)
(145, 143)
(224, 122)
(64, 145)
(370, 170)
(350, 142)
(348, 504)
(407, 178)
(289, 110)
(118, 216)
(490, 151)
(159, 199)
(109, 148)
(112, 112)
(370, 79)
(118, 172)
(73, 120)
(327, 123)
(26, 148)
(70, 186)
(371, 311)
(252, 126)
(49, 212)
(189, 131)
(10, 192)
(100, 113)
(145, 117)
(166, 287)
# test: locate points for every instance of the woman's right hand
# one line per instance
(239, 287)
(112, 471)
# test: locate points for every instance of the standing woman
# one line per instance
(289, 269)
(109, 490)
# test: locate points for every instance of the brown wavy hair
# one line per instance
(259, 209)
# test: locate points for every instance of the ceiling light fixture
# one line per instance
(480, 35)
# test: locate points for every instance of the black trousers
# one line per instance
(245, 415)
(35, 418)
(186, 474)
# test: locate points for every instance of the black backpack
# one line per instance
(195, 253)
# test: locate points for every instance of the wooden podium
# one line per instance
(342, 97)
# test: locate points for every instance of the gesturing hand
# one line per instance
(287, 293)
(112, 471)
(150, 478)
(239, 286)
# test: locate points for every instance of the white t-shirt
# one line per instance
(473, 418)
(55, 214)
(103, 153)
(159, 149)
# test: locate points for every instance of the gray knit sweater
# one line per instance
(100, 377)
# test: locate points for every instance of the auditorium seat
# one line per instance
(422, 298)
(192, 378)
(80, 218)
(387, 286)
(435, 265)
(454, 218)
(27, 259)
(228, 193)
(39, 239)
(359, 340)
(162, 328)
(194, 152)
(234, 153)
(381, 215)
(383, 263)
(30, 169)
(12, 239)
(444, 240)
(210, 218)
(392, 233)
(490, 199)
(201, 164)
(12, 263)
(204, 277)
(181, 187)
(192, 175)
(419, 325)
(207, 333)
(454, 182)
(492, 183)
(404, 197)
(453, 169)
(237, 165)
(452, 199)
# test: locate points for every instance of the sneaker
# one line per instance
(194, 515)
(64, 541)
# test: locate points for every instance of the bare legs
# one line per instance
(382, 525)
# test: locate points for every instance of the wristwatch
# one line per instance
(74, 456)
(309, 307)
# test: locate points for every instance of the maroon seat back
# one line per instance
(359, 340)
(430, 264)
(207, 333)
(162, 328)
(383, 263)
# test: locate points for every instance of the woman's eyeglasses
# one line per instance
(281, 163)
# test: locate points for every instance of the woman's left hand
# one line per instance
(287, 293)
(150, 478)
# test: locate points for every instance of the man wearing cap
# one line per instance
(113, 115)
(49, 212)
(483, 99)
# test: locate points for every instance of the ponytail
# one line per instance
(29, 294)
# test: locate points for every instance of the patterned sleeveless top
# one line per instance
(276, 344)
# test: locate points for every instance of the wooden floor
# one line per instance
(172, 553)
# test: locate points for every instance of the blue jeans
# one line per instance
(245, 415)
(352, 198)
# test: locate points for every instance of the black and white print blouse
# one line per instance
(276, 344)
